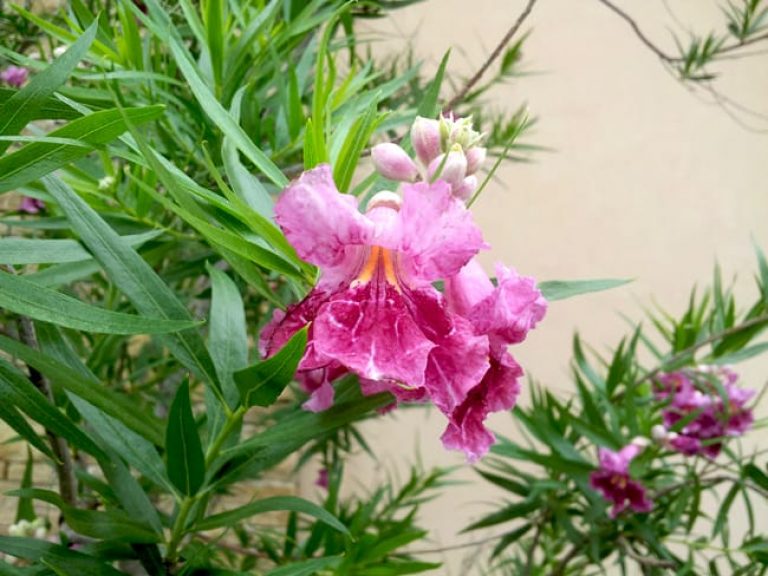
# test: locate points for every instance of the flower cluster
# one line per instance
(14, 76)
(613, 481)
(447, 148)
(375, 311)
(37, 528)
(706, 404)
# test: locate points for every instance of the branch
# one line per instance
(639, 33)
(644, 560)
(64, 469)
(494, 55)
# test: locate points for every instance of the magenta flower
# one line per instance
(374, 311)
(31, 205)
(613, 481)
(710, 416)
(14, 76)
(322, 478)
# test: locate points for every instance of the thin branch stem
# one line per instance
(638, 32)
(490, 60)
(644, 560)
(65, 470)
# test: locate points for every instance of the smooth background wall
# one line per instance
(644, 179)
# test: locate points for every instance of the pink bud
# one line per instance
(31, 205)
(425, 137)
(452, 170)
(475, 159)
(465, 190)
(14, 76)
(393, 162)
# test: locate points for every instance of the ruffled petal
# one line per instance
(324, 226)
(512, 309)
(436, 235)
(369, 329)
(498, 390)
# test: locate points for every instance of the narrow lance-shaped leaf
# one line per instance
(186, 462)
(22, 106)
(29, 299)
(561, 289)
(262, 383)
(40, 158)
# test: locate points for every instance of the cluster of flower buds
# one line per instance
(14, 76)
(709, 403)
(37, 528)
(449, 149)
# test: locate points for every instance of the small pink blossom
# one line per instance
(375, 312)
(322, 478)
(425, 137)
(613, 481)
(14, 76)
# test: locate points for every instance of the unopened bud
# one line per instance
(425, 137)
(659, 433)
(641, 441)
(475, 159)
(106, 183)
(393, 162)
(451, 168)
(465, 190)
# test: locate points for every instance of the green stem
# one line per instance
(179, 527)
(233, 419)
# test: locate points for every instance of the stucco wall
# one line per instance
(645, 179)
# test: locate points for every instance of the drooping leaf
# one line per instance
(561, 289)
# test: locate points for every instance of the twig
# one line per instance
(638, 32)
(494, 55)
(644, 560)
(534, 545)
(454, 546)
(64, 469)
(563, 564)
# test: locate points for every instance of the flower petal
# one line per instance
(437, 235)
(370, 330)
(324, 226)
(512, 309)
(467, 288)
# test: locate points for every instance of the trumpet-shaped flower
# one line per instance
(374, 311)
(613, 481)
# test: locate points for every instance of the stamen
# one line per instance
(380, 259)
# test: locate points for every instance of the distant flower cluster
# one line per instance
(702, 407)
(375, 311)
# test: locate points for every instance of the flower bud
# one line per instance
(393, 162)
(425, 137)
(106, 183)
(466, 189)
(451, 168)
(659, 433)
(14, 76)
(475, 159)
(641, 442)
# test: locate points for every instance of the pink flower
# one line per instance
(31, 205)
(14, 76)
(504, 313)
(374, 311)
(613, 481)
(322, 478)
(712, 411)
(393, 162)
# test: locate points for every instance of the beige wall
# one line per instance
(646, 179)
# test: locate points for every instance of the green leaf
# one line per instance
(10, 415)
(561, 289)
(51, 109)
(25, 510)
(21, 393)
(274, 504)
(186, 462)
(228, 335)
(262, 383)
(49, 251)
(756, 475)
(307, 567)
(429, 106)
(40, 158)
(50, 554)
(25, 104)
(29, 299)
(134, 277)
(104, 525)
(356, 140)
